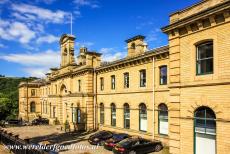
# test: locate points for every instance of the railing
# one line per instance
(17, 145)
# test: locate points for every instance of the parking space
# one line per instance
(68, 143)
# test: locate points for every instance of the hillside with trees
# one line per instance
(9, 96)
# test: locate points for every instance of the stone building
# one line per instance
(179, 94)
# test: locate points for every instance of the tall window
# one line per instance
(113, 114)
(204, 58)
(163, 119)
(142, 117)
(54, 111)
(102, 83)
(78, 115)
(126, 80)
(102, 116)
(74, 114)
(113, 82)
(46, 107)
(43, 107)
(33, 92)
(32, 107)
(205, 131)
(50, 110)
(79, 85)
(163, 75)
(142, 78)
(126, 116)
(55, 89)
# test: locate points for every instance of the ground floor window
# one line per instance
(142, 117)
(204, 131)
(54, 111)
(32, 107)
(126, 116)
(113, 114)
(76, 115)
(163, 119)
(102, 116)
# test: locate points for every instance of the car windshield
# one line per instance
(101, 134)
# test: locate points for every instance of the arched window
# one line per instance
(126, 116)
(102, 116)
(32, 107)
(63, 90)
(205, 131)
(113, 114)
(163, 119)
(142, 117)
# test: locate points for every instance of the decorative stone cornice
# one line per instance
(197, 16)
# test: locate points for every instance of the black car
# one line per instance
(40, 121)
(137, 146)
(110, 143)
(100, 137)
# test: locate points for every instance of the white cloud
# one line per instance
(16, 31)
(90, 3)
(46, 15)
(35, 71)
(35, 64)
(110, 54)
(48, 39)
(47, 58)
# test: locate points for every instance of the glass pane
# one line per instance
(205, 51)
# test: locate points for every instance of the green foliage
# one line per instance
(9, 96)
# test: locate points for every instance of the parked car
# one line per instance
(13, 122)
(40, 121)
(137, 146)
(110, 143)
(100, 137)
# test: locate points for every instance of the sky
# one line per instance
(30, 29)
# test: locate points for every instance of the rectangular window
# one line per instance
(204, 58)
(56, 89)
(78, 115)
(113, 82)
(102, 83)
(79, 85)
(33, 92)
(142, 78)
(163, 75)
(54, 112)
(126, 80)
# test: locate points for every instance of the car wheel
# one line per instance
(158, 148)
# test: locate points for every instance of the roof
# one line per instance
(66, 35)
(135, 38)
(155, 50)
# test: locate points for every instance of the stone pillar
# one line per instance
(174, 98)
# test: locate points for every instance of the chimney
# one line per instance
(136, 45)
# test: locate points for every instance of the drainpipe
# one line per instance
(153, 78)
(94, 97)
(27, 100)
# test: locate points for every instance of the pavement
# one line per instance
(68, 143)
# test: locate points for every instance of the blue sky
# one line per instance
(30, 30)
